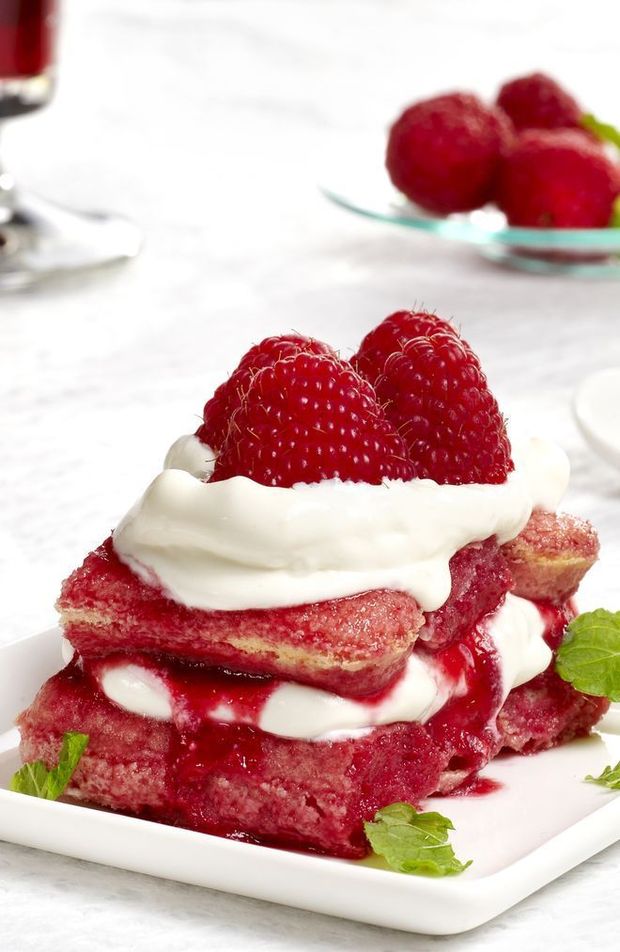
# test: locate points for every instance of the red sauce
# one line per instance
(556, 618)
(477, 787)
(475, 661)
(197, 691)
(211, 744)
(466, 725)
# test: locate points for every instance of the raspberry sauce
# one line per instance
(466, 726)
(198, 693)
(477, 787)
(556, 618)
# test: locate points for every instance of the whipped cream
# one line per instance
(192, 455)
(236, 544)
(517, 630)
(306, 713)
(138, 690)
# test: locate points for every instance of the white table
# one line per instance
(206, 122)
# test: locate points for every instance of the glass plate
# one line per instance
(364, 188)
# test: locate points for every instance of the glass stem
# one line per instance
(7, 192)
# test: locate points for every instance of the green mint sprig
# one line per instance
(412, 842)
(609, 778)
(36, 780)
(589, 657)
(602, 130)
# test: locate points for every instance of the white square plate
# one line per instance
(543, 821)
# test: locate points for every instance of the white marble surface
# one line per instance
(207, 121)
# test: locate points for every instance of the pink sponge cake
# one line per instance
(551, 556)
(355, 645)
(338, 594)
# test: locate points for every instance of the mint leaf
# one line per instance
(31, 778)
(36, 780)
(589, 658)
(609, 778)
(602, 130)
(413, 842)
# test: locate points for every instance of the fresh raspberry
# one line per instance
(443, 153)
(390, 335)
(538, 102)
(435, 392)
(307, 418)
(557, 179)
(228, 396)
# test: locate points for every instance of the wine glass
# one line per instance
(39, 239)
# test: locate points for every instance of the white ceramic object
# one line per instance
(542, 822)
(596, 406)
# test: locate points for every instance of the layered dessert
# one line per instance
(344, 590)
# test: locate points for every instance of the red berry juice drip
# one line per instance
(556, 619)
(477, 787)
(197, 691)
(27, 29)
(202, 746)
(465, 728)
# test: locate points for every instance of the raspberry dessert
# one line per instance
(344, 590)
(443, 153)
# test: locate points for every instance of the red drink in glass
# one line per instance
(27, 41)
(27, 30)
(37, 238)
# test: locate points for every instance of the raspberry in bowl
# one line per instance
(351, 597)
(531, 180)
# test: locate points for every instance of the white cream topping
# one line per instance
(193, 456)
(517, 631)
(236, 544)
(138, 690)
(307, 713)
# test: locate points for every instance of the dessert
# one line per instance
(343, 591)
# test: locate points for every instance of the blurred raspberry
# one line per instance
(443, 153)
(538, 102)
(557, 179)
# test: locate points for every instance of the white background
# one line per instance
(207, 122)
